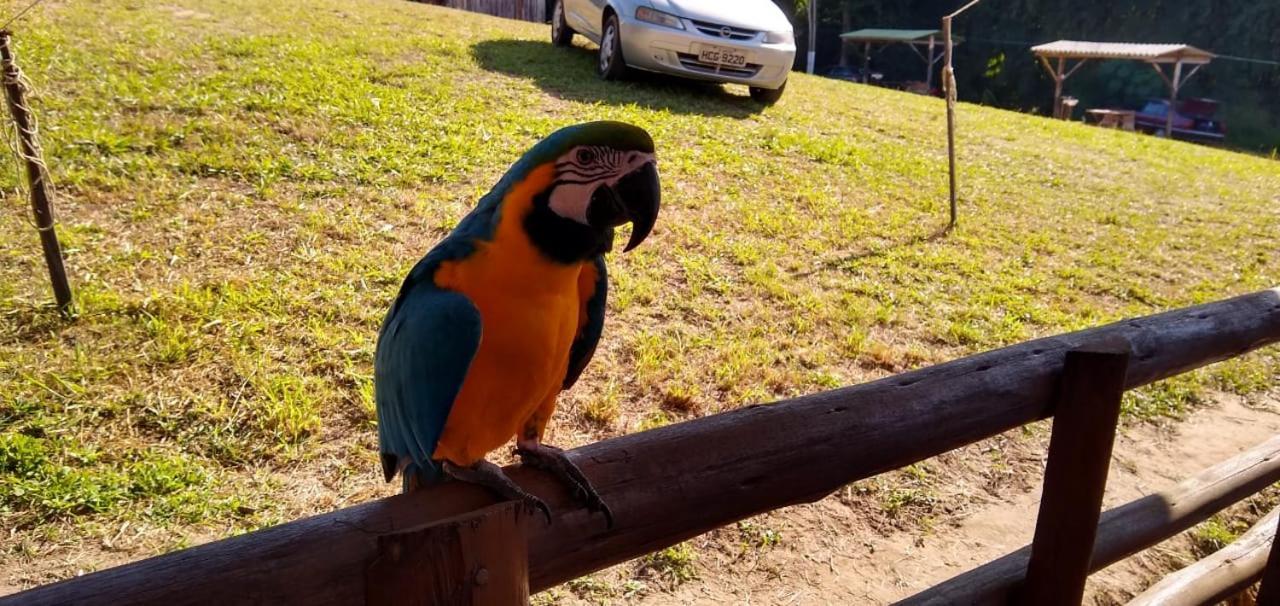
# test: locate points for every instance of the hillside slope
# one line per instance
(243, 183)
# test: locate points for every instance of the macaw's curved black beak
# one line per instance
(634, 198)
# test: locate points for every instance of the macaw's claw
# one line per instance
(490, 476)
(557, 462)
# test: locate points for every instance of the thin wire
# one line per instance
(20, 14)
(951, 16)
(1247, 60)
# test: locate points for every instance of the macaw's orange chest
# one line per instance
(530, 311)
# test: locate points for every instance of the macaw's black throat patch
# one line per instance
(564, 240)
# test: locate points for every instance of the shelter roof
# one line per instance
(1152, 53)
(890, 35)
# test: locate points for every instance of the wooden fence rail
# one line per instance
(1227, 572)
(669, 484)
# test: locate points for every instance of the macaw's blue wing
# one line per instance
(425, 347)
(584, 344)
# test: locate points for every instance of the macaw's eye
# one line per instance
(586, 156)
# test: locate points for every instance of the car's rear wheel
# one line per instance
(767, 96)
(561, 33)
(612, 65)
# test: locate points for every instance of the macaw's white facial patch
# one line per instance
(583, 169)
(570, 200)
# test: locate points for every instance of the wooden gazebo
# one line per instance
(916, 39)
(1156, 55)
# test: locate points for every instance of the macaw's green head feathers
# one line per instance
(597, 176)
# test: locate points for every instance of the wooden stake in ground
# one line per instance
(29, 147)
(949, 87)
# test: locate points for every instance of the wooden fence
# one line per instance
(452, 545)
(525, 10)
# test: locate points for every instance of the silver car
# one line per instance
(744, 41)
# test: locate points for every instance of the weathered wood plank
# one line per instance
(672, 483)
(1075, 476)
(1219, 576)
(1126, 529)
(477, 559)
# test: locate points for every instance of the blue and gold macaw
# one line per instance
(505, 313)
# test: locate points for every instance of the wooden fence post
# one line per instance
(1269, 591)
(37, 174)
(1084, 426)
(477, 559)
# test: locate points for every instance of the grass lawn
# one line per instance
(243, 184)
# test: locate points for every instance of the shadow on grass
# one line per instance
(851, 257)
(569, 73)
(32, 323)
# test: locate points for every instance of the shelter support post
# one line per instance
(928, 68)
(1060, 75)
(812, 35)
(1173, 99)
(866, 62)
(846, 19)
(1056, 74)
(1057, 88)
(1175, 86)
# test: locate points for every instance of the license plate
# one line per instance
(722, 56)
